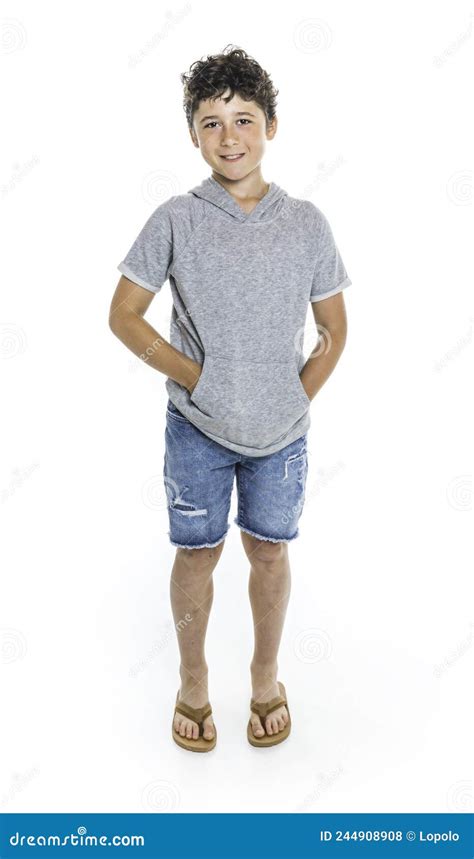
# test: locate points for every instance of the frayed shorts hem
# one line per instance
(262, 537)
(200, 545)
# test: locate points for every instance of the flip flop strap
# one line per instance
(266, 707)
(197, 714)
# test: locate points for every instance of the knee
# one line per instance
(204, 559)
(268, 554)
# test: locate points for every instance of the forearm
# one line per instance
(321, 362)
(141, 338)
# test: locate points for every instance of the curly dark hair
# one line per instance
(211, 77)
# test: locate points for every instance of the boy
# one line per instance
(243, 260)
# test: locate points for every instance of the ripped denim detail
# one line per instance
(295, 457)
(187, 508)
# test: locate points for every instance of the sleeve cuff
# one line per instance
(124, 269)
(345, 283)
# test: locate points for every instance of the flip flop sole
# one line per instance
(270, 739)
(199, 745)
(267, 739)
(188, 743)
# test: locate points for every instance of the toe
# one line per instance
(257, 726)
(190, 729)
(208, 728)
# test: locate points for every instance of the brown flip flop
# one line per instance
(263, 710)
(197, 714)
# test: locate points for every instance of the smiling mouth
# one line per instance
(235, 157)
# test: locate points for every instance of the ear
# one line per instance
(272, 128)
(194, 139)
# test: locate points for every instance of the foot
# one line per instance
(184, 726)
(275, 721)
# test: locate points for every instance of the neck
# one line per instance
(251, 187)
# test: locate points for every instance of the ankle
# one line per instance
(263, 672)
(194, 679)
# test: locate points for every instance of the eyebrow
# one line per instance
(236, 113)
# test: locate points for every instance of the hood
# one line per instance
(213, 192)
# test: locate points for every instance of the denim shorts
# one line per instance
(199, 478)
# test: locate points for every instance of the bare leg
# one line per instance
(192, 592)
(269, 591)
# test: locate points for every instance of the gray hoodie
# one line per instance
(240, 285)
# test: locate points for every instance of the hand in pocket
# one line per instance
(198, 373)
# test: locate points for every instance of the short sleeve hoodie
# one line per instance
(240, 285)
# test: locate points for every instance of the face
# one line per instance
(233, 128)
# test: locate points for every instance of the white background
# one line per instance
(376, 655)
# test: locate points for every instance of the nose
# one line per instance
(227, 138)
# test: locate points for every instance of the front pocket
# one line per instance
(251, 403)
(174, 413)
(201, 383)
(300, 383)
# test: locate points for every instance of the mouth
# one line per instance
(234, 157)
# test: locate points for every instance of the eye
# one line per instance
(242, 119)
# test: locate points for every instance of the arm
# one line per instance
(331, 321)
(129, 304)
